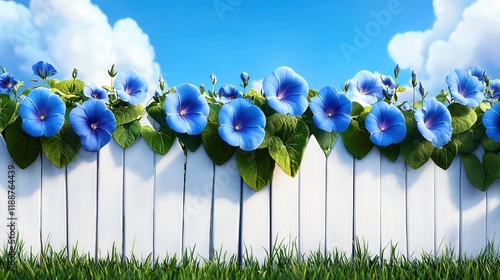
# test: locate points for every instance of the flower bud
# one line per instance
(162, 83)
(413, 79)
(396, 71)
(421, 89)
(244, 78)
(75, 73)
(202, 88)
(213, 78)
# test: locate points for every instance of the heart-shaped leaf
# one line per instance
(7, 110)
(416, 151)
(462, 117)
(256, 167)
(126, 113)
(356, 140)
(62, 148)
(217, 149)
(481, 175)
(444, 156)
(160, 141)
(23, 148)
(288, 141)
(126, 134)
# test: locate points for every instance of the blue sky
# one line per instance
(326, 42)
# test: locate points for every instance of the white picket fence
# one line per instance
(138, 202)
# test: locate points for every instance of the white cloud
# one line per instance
(73, 34)
(256, 84)
(464, 34)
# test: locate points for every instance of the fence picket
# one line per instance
(53, 226)
(312, 192)
(169, 199)
(138, 195)
(493, 215)
(226, 207)
(339, 199)
(198, 203)
(110, 200)
(447, 207)
(367, 201)
(393, 206)
(255, 223)
(82, 202)
(284, 209)
(5, 161)
(420, 210)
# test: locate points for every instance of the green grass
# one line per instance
(282, 263)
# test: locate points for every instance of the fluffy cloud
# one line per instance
(464, 34)
(72, 34)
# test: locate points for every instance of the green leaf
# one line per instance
(156, 111)
(490, 145)
(126, 134)
(416, 151)
(444, 156)
(288, 141)
(356, 140)
(23, 148)
(356, 109)
(160, 141)
(126, 113)
(442, 96)
(311, 93)
(401, 89)
(213, 116)
(469, 140)
(462, 117)
(481, 175)
(7, 110)
(190, 142)
(70, 87)
(62, 148)
(391, 152)
(256, 167)
(217, 149)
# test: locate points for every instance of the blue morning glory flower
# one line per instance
(465, 89)
(7, 83)
(434, 122)
(386, 124)
(187, 110)
(94, 92)
(94, 123)
(286, 91)
(229, 93)
(495, 88)
(331, 110)
(43, 69)
(42, 113)
(491, 120)
(478, 72)
(131, 87)
(242, 124)
(389, 87)
(365, 88)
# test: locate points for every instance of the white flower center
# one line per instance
(93, 126)
(42, 117)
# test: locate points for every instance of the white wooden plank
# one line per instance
(5, 161)
(227, 207)
(473, 222)
(367, 201)
(82, 202)
(312, 193)
(284, 209)
(53, 206)
(393, 206)
(420, 210)
(110, 200)
(28, 196)
(447, 207)
(255, 223)
(493, 214)
(138, 195)
(339, 201)
(198, 203)
(169, 201)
